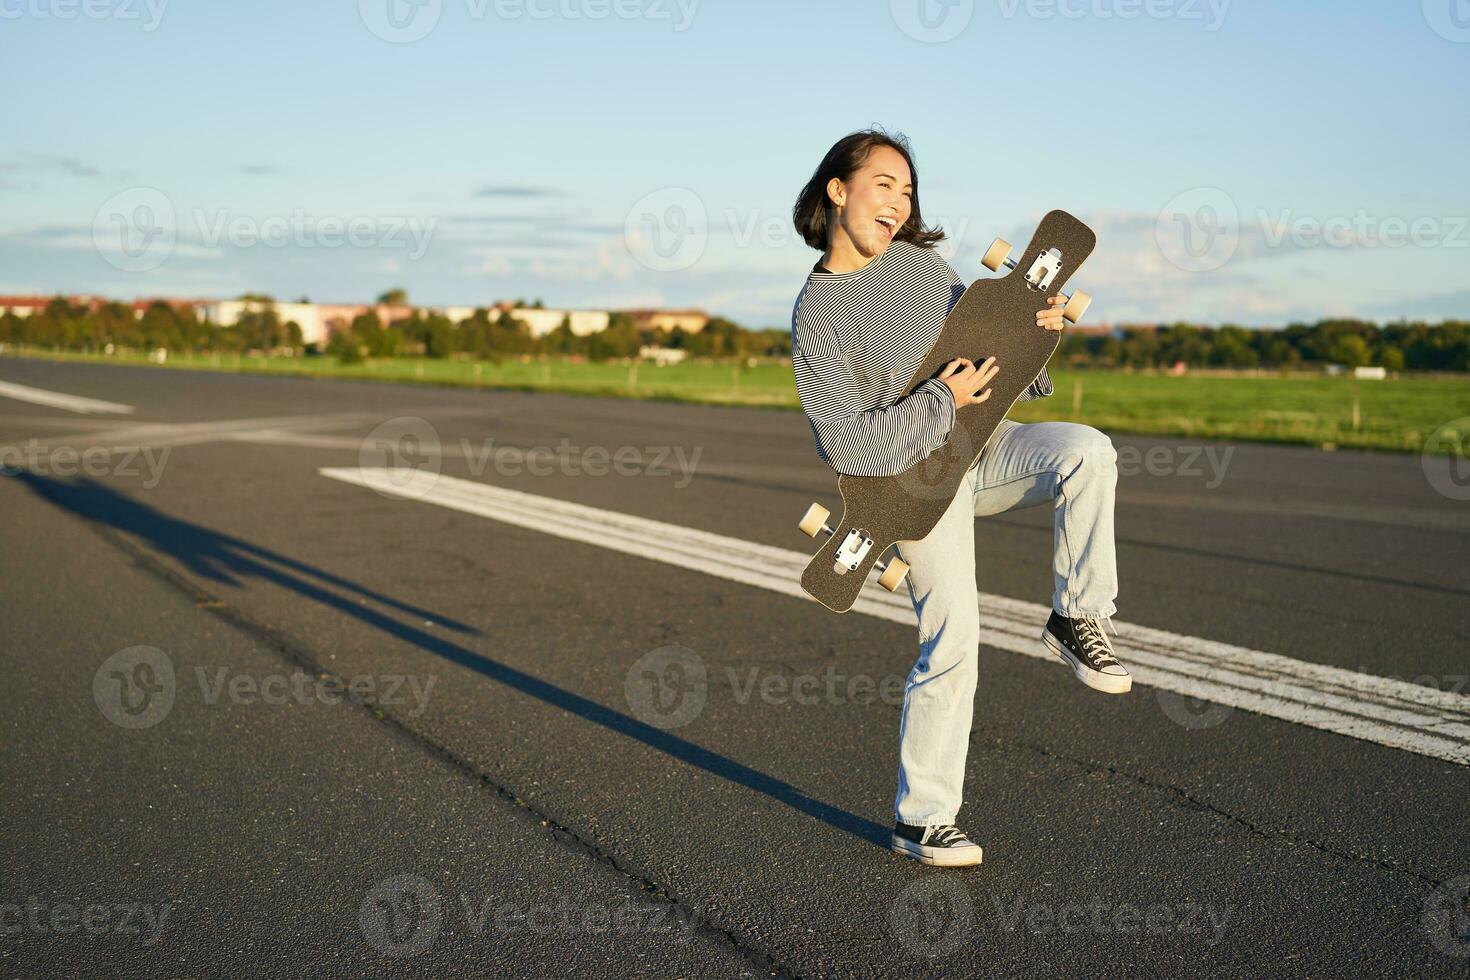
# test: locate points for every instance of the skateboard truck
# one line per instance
(854, 548)
(1043, 270)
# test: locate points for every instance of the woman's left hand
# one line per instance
(1051, 317)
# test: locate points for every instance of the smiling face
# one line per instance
(871, 207)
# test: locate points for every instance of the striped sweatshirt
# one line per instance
(856, 340)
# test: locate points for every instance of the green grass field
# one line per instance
(1397, 414)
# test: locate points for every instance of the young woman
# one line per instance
(868, 315)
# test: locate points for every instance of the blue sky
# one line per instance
(646, 152)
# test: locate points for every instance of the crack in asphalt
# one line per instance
(1259, 830)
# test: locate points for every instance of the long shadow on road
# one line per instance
(223, 558)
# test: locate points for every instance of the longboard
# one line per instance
(996, 317)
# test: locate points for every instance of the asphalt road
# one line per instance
(265, 720)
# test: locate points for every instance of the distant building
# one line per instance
(336, 316)
(543, 322)
(142, 306)
(454, 314)
(23, 306)
(316, 320)
(387, 314)
(690, 321)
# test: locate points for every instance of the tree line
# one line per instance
(63, 325)
(486, 334)
(492, 335)
(1356, 343)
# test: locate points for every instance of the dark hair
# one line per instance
(813, 208)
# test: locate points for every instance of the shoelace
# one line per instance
(946, 836)
(1095, 643)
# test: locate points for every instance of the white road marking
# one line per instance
(119, 436)
(56, 399)
(1388, 712)
(126, 436)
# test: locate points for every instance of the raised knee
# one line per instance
(1091, 447)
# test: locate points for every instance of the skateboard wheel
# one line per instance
(996, 255)
(816, 516)
(1076, 306)
(893, 575)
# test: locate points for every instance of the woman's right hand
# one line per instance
(964, 378)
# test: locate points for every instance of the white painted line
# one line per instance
(55, 399)
(1388, 712)
(123, 436)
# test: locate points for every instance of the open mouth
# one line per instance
(889, 226)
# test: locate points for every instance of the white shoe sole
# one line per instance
(1106, 683)
(944, 857)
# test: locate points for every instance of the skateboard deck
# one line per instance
(996, 317)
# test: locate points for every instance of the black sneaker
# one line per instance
(1082, 644)
(944, 845)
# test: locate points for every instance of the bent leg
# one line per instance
(1074, 465)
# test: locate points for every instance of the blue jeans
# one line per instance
(1023, 465)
